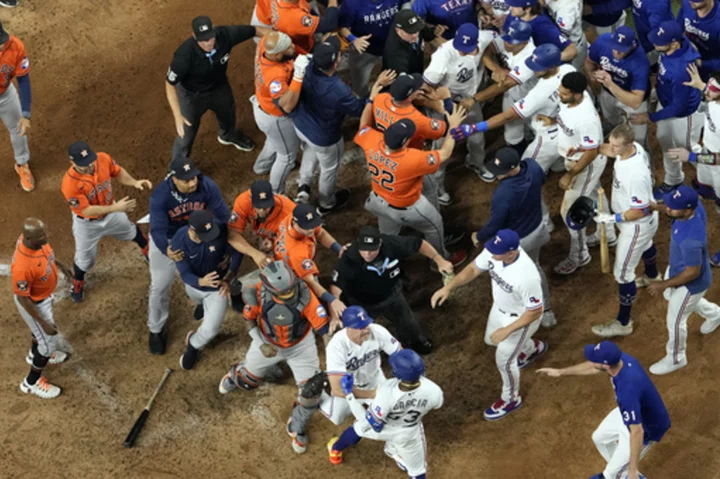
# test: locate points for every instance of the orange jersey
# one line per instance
(243, 214)
(297, 21)
(13, 62)
(272, 80)
(263, 11)
(82, 191)
(297, 249)
(34, 272)
(397, 176)
(385, 113)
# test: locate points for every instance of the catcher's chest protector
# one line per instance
(286, 315)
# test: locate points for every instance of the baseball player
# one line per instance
(278, 81)
(282, 313)
(640, 420)
(458, 66)
(261, 15)
(701, 22)
(14, 108)
(446, 13)
(87, 187)
(492, 14)
(677, 117)
(263, 211)
(619, 73)
(297, 19)
(208, 266)
(647, 18)
(603, 16)
(395, 414)
(544, 29)
(366, 25)
(355, 350)
(687, 278)
(515, 315)
(34, 276)
(637, 223)
(568, 18)
(183, 191)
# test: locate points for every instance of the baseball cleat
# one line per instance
(569, 266)
(156, 343)
(709, 326)
(715, 260)
(77, 293)
(342, 196)
(457, 257)
(486, 176)
(190, 356)
(238, 140)
(335, 456)
(445, 199)
(661, 190)
(9, 3)
(199, 312)
(612, 329)
(548, 319)
(299, 441)
(643, 281)
(303, 194)
(56, 358)
(42, 388)
(226, 383)
(540, 348)
(593, 240)
(667, 365)
(27, 180)
(500, 409)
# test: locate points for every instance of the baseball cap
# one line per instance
(503, 242)
(398, 133)
(81, 154)
(521, 3)
(326, 53)
(203, 28)
(623, 40)
(605, 352)
(368, 239)
(466, 38)
(4, 36)
(261, 194)
(668, 32)
(408, 21)
(356, 317)
(405, 85)
(505, 160)
(201, 222)
(306, 217)
(682, 198)
(183, 168)
(517, 31)
(544, 57)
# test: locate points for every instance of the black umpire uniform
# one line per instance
(377, 286)
(403, 56)
(200, 79)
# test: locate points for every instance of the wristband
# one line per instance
(26, 114)
(482, 126)
(351, 38)
(296, 85)
(327, 297)
(255, 334)
(336, 247)
(618, 218)
(369, 101)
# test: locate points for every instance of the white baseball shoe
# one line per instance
(709, 326)
(500, 409)
(548, 319)
(299, 441)
(643, 281)
(56, 358)
(42, 389)
(569, 266)
(667, 365)
(612, 329)
(445, 199)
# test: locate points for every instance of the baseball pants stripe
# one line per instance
(629, 254)
(678, 325)
(46, 344)
(588, 180)
(512, 360)
(537, 148)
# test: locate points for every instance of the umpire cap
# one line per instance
(517, 31)
(203, 28)
(398, 133)
(409, 21)
(544, 57)
(580, 213)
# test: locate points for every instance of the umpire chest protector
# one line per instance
(287, 315)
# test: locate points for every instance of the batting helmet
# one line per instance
(407, 365)
(581, 213)
(356, 317)
(544, 57)
(278, 278)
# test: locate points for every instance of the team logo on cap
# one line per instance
(309, 216)
(661, 31)
(369, 240)
(212, 249)
(208, 226)
(497, 161)
(186, 167)
(597, 347)
(677, 194)
(466, 39)
(620, 37)
(203, 28)
(497, 240)
(84, 153)
(412, 21)
(262, 195)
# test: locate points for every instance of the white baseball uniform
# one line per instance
(568, 17)
(402, 413)
(500, 8)
(362, 361)
(580, 128)
(709, 175)
(516, 288)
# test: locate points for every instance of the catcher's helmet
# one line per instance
(544, 57)
(407, 365)
(278, 278)
(580, 214)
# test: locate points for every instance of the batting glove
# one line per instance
(300, 65)
(606, 218)
(462, 132)
(346, 383)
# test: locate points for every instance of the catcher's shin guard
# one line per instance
(307, 401)
(244, 379)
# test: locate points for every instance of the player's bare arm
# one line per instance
(546, 120)
(427, 250)
(527, 318)
(126, 179)
(243, 246)
(360, 43)
(690, 273)
(681, 155)
(494, 90)
(637, 434)
(125, 204)
(467, 275)
(262, 31)
(458, 115)
(569, 53)
(578, 167)
(27, 304)
(180, 120)
(583, 369)
(633, 98)
(336, 306)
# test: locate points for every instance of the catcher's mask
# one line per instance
(279, 279)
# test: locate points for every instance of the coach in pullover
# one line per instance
(701, 22)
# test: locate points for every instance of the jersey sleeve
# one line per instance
(22, 66)
(426, 162)
(252, 311)
(366, 137)
(532, 294)
(238, 217)
(75, 198)
(302, 23)
(435, 72)
(316, 314)
(22, 279)
(115, 169)
(420, 7)
(535, 99)
(381, 406)
(692, 252)
(521, 73)
(178, 70)
(335, 356)
(429, 128)
(594, 50)
(546, 31)
(277, 86)
(639, 199)
(216, 203)
(239, 33)
(592, 137)
(485, 39)
(347, 16)
(481, 261)
(387, 341)
(343, 274)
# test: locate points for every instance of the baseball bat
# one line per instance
(140, 423)
(604, 253)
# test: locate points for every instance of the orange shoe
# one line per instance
(27, 181)
(335, 456)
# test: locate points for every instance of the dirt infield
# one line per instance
(98, 73)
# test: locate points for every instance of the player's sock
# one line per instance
(39, 363)
(421, 476)
(649, 258)
(79, 274)
(348, 438)
(627, 296)
(34, 347)
(140, 238)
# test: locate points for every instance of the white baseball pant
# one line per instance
(10, 114)
(328, 157)
(709, 175)
(508, 351)
(47, 344)
(255, 22)
(582, 50)
(280, 149)
(616, 112)
(301, 357)
(678, 133)
(88, 234)
(514, 131)
(543, 149)
(214, 307)
(612, 440)
(407, 446)
(162, 275)
(337, 408)
(361, 67)
(634, 239)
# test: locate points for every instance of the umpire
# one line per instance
(517, 205)
(404, 46)
(369, 274)
(197, 82)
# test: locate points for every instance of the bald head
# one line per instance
(34, 233)
(278, 44)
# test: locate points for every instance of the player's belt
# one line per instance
(88, 219)
(512, 315)
(400, 208)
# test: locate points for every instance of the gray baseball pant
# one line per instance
(162, 275)
(361, 67)
(214, 307)
(328, 157)
(10, 113)
(88, 234)
(281, 145)
(47, 345)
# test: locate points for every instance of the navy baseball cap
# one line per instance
(544, 57)
(405, 85)
(605, 352)
(203, 28)
(261, 194)
(516, 32)
(4, 36)
(81, 154)
(681, 199)
(506, 159)
(201, 222)
(183, 168)
(356, 317)
(466, 38)
(668, 32)
(368, 239)
(503, 242)
(521, 3)
(398, 133)
(409, 21)
(623, 40)
(325, 54)
(306, 216)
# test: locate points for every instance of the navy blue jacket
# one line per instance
(677, 100)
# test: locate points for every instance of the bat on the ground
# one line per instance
(138, 426)
(604, 253)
